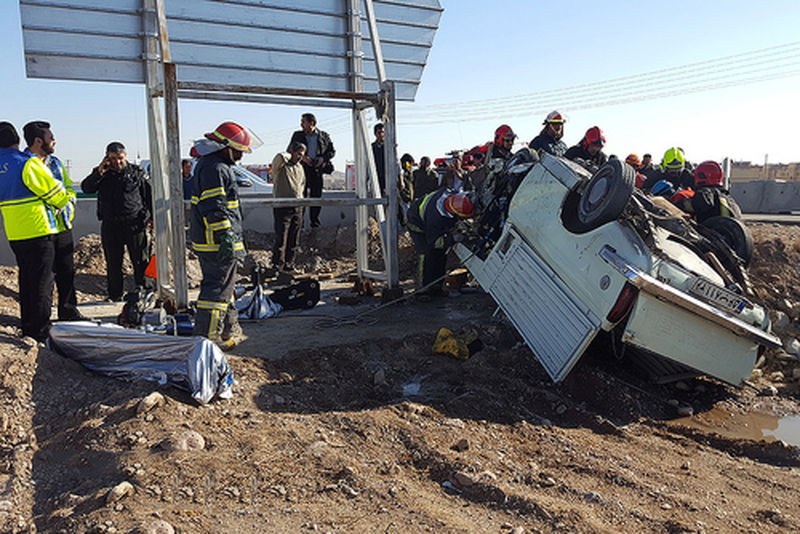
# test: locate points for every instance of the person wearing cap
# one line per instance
(429, 221)
(216, 229)
(124, 208)
(589, 149)
(29, 198)
(549, 139)
(316, 162)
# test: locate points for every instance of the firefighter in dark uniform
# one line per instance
(590, 148)
(710, 198)
(216, 229)
(673, 169)
(549, 139)
(503, 142)
(430, 218)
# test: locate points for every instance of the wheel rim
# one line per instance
(598, 191)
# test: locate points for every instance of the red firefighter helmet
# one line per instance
(554, 116)
(503, 132)
(633, 160)
(594, 136)
(235, 136)
(459, 205)
(708, 173)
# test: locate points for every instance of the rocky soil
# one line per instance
(384, 436)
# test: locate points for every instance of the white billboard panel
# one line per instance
(286, 44)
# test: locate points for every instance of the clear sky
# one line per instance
(717, 77)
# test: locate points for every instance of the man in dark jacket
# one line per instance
(124, 204)
(377, 155)
(590, 148)
(549, 139)
(424, 179)
(216, 229)
(316, 162)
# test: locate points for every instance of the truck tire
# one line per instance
(606, 194)
(735, 234)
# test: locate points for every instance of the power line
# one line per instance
(715, 77)
(751, 57)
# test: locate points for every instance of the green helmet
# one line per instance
(673, 159)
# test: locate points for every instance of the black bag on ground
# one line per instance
(137, 302)
(298, 295)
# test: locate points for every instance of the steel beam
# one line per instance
(158, 163)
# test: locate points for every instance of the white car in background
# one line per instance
(249, 183)
(568, 255)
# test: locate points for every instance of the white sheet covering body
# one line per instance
(194, 364)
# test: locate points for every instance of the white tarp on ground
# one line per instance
(194, 364)
(257, 305)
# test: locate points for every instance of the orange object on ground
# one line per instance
(151, 271)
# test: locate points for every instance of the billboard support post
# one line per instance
(158, 162)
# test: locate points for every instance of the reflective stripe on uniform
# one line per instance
(213, 325)
(211, 193)
(724, 208)
(203, 247)
(20, 201)
(423, 204)
(221, 225)
(210, 305)
(59, 187)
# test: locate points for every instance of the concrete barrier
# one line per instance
(256, 216)
(767, 196)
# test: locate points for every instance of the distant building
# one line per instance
(745, 171)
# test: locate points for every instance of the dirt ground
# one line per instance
(382, 435)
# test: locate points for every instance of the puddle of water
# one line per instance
(788, 430)
(757, 427)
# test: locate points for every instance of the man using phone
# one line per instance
(124, 208)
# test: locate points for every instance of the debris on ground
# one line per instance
(384, 436)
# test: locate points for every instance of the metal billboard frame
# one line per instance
(163, 83)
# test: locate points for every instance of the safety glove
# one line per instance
(226, 241)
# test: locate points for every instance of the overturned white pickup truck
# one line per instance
(568, 254)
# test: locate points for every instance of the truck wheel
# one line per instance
(735, 234)
(606, 194)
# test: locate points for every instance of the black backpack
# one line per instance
(137, 302)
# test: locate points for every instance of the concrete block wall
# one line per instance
(256, 216)
(767, 196)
